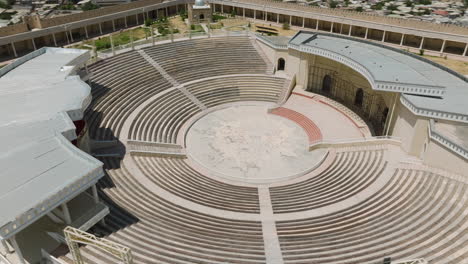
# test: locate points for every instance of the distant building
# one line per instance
(200, 12)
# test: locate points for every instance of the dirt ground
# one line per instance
(176, 22)
(456, 65)
(281, 31)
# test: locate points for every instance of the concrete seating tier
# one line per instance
(159, 231)
(120, 84)
(191, 60)
(237, 88)
(350, 173)
(416, 214)
(161, 120)
(313, 131)
(175, 176)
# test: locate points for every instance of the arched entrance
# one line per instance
(202, 16)
(281, 64)
(358, 99)
(327, 84)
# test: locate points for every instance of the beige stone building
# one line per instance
(200, 12)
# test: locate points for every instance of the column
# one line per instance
(317, 24)
(303, 22)
(331, 28)
(177, 9)
(125, 21)
(277, 18)
(290, 20)
(95, 193)
(14, 49)
(66, 212)
(443, 46)
(86, 32)
(466, 49)
(152, 34)
(34, 44)
(402, 39)
(243, 13)
(367, 31)
(222, 9)
(422, 43)
(6, 247)
(131, 40)
(265, 14)
(55, 40)
(383, 37)
(100, 28)
(17, 249)
(255, 14)
(71, 36)
(167, 12)
(113, 24)
(350, 30)
(341, 28)
(136, 15)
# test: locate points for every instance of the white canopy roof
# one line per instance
(39, 167)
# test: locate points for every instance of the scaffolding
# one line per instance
(74, 237)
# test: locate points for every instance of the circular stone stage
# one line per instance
(247, 144)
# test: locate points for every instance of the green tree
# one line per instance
(409, 3)
(89, 6)
(148, 22)
(359, 9)
(286, 26)
(333, 4)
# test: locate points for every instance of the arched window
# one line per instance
(359, 97)
(327, 84)
(281, 64)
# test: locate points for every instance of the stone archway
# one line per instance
(327, 84)
(359, 98)
(281, 64)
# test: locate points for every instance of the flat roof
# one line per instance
(427, 86)
(40, 96)
(457, 133)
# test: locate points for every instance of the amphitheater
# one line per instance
(235, 149)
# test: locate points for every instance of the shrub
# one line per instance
(217, 17)
(148, 22)
(89, 6)
(333, 4)
(359, 9)
(286, 26)
(192, 27)
(421, 52)
(4, 5)
(233, 13)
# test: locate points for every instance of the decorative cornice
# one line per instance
(432, 113)
(430, 90)
(454, 147)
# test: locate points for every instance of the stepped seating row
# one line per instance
(239, 88)
(120, 84)
(417, 214)
(159, 231)
(194, 59)
(161, 120)
(313, 131)
(177, 177)
(350, 173)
